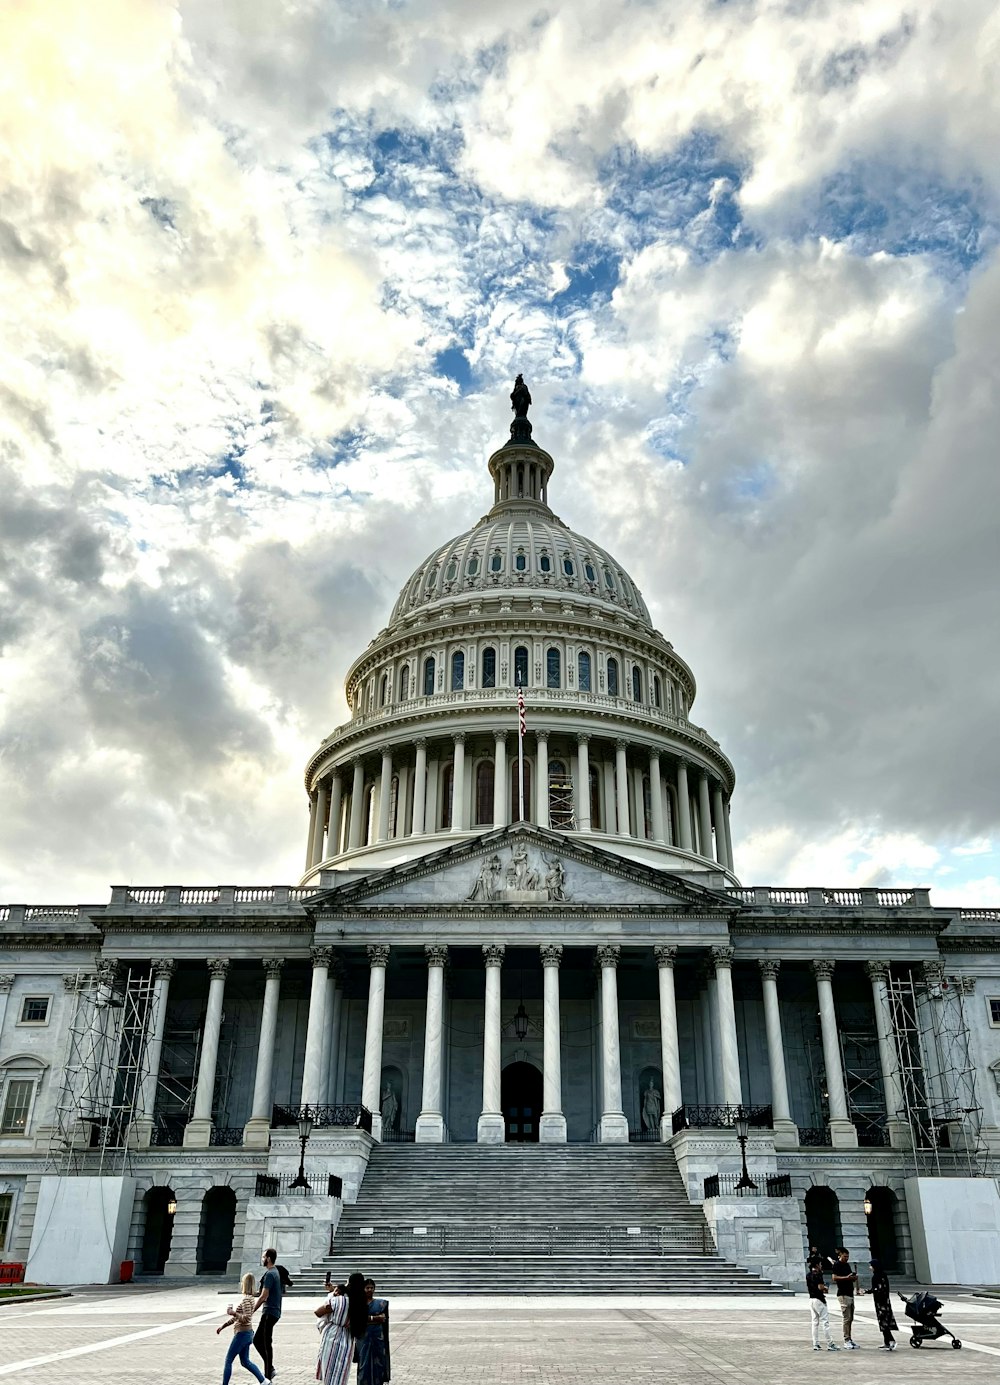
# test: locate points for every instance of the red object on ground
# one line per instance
(125, 1276)
(11, 1274)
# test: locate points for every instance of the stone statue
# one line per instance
(488, 882)
(524, 877)
(520, 399)
(652, 1107)
(555, 879)
(389, 1109)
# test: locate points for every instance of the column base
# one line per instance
(666, 1128)
(786, 1134)
(257, 1133)
(141, 1134)
(552, 1128)
(900, 1134)
(613, 1129)
(491, 1129)
(377, 1125)
(843, 1135)
(429, 1129)
(197, 1134)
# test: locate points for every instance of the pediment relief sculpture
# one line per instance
(520, 875)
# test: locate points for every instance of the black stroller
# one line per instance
(927, 1326)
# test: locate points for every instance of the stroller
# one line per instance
(923, 1308)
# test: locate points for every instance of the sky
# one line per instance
(268, 271)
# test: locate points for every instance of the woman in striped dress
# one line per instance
(343, 1318)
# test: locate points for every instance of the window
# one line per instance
(545, 563)
(496, 563)
(457, 671)
(589, 573)
(451, 572)
(485, 775)
(429, 677)
(369, 817)
(657, 694)
(595, 799)
(609, 581)
(489, 668)
(432, 577)
(472, 566)
(520, 562)
(16, 1106)
(553, 669)
(35, 1009)
(636, 684)
(647, 807)
(993, 1005)
(613, 677)
(520, 667)
(393, 804)
(515, 791)
(6, 1204)
(404, 682)
(583, 672)
(383, 690)
(568, 567)
(447, 791)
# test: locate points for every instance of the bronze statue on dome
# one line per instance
(520, 399)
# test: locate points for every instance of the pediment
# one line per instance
(525, 866)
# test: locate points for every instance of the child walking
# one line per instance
(819, 1314)
(241, 1315)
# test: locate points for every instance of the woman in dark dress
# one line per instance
(883, 1306)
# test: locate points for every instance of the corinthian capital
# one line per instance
(664, 955)
(378, 954)
(551, 954)
(608, 954)
(7, 982)
(823, 968)
(218, 966)
(493, 954)
(436, 954)
(769, 967)
(273, 965)
(722, 956)
(164, 968)
(877, 971)
(321, 956)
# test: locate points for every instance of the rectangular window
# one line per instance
(6, 1203)
(993, 1001)
(17, 1104)
(34, 1009)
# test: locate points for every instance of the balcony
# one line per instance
(719, 1117)
(288, 1185)
(728, 1185)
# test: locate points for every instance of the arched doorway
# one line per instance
(882, 1228)
(215, 1235)
(159, 1229)
(521, 1099)
(823, 1219)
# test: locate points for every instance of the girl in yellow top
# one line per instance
(240, 1315)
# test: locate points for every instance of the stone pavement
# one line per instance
(138, 1334)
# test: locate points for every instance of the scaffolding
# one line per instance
(105, 1073)
(936, 1074)
(562, 811)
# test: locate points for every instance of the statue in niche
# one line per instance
(555, 879)
(652, 1107)
(488, 883)
(520, 399)
(389, 1109)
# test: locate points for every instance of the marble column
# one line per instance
(419, 785)
(333, 814)
(142, 1130)
(732, 1088)
(331, 1035)
(705, 816)
(430, 1123)
(583, 822)
(311, 834)
(356, 827)
(312, 1066)
(621, 788)
(613, 1129)
(542, 778)
(683, 806)
(786, 1133)
(670, 1053)
(371, 1082)
(552, 1126)
(491, 1129)
(257, 1131)
(384, 797)
(719, 818)
(842, 1132)
(897, 1125)
(656, 796)
(198, 1131)
(458, 785)
(499, 778)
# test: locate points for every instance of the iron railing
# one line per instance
(643, 1137)
(323, 1117)
(814, 1135)
(230, 1135)
(395, 1136)
(719, 1117)
(765, 1185)
(168, 1130)
(513, 1238)
(871, 1135)
(280, 1185)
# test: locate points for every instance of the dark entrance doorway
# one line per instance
(521, 1099)
(159, 1230)
(823, 1219)
(882, 1228)
(215, 1243)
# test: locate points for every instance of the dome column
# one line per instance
(621, 788)
(491, 1129)
(729, 833)
(704, 816)
(541, 779)
(319, 824)
(419, 786)
(719, 818)
(384, 796)
(311, 833)
(499, 778)
(336, 799)
(458, 785)
(583, 784)
(656, 798)
(357, 805)
(683, 806)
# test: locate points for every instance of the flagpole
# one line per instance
(520, 750)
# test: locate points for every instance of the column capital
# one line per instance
(218, 966)
(769, 967)
(7, 982)
(608, 954)
(822, 968)
(542, 736)
(933, 973)
(722, 956)
(321, 956)
(654, 755)
(493, 954)
(551, 954)
(583, 738)
(459, 737)
(71, 982)
(273, 965)
(107, 971)
(420, 742)
(664, 955)
(378, 954)
(877, 971)
(621, 743)
(164, 967)
(436, 954)
(500, 737)
(682, 762)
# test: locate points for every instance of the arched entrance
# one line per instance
(521, 1099)
(882, 1228)
(823, 1219)
(215, 1236)
(159, 1229)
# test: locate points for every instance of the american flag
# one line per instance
(522, 724)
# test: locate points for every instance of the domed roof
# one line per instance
(521, 547)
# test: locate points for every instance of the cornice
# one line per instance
(952, 942)
(479, 913)
(856, 924)
(219, 923)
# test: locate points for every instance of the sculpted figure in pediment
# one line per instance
(555, 879)
(488, 883)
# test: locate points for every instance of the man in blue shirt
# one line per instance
(269, 1301)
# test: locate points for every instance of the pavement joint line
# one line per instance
(13, 1367)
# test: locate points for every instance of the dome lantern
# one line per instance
(521, 469)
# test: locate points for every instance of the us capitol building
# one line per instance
(503, 939)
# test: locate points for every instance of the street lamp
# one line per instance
(868, 1206)
(305, 1130)
(741, 1124)
(521, 1023)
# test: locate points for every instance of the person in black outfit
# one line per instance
(881, 1297)
(269, 1300)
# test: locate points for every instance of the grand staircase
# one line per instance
(547, 1219)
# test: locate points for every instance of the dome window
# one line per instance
(472, 566)
(521, 666)
(636, 683)
(613, 677)
(432, 577)
(429, 677)
(657, 693)
(383, 690)
(485, 777)
(451, 571)
(583, 671)
(496, 563)
(609, 580)
(589, 573)
(489, 668)
(404, 682)
(545, 563)
(568, 567)
(457, 671)
(520, 561)
(553, 669)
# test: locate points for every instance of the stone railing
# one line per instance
(42, 913)
(984, 915)
(838, 899)
(219, 896)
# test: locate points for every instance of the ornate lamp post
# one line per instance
(305, 1130)
(742, 1127)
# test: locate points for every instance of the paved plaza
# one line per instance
(147, 1335)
